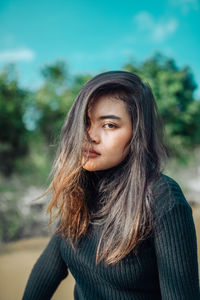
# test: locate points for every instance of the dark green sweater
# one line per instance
(165, 268)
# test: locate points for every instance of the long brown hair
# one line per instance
(126, 214)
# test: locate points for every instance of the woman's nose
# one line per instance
(94, 135)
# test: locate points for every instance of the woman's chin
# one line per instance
(89, 168)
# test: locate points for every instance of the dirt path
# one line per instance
(16, 264)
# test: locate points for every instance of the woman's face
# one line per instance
(110, 131)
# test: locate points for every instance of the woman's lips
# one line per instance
(90, 153)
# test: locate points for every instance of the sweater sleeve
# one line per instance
(176, 252)
(47, 273)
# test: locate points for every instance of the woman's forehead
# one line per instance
(106, 105)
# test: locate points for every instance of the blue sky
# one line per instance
(93, 36)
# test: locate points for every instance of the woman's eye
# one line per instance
(109, 126)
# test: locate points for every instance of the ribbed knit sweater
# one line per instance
(165, 267)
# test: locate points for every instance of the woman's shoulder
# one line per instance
(167, 193)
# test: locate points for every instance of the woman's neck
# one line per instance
(107, 173)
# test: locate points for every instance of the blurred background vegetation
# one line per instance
(30, 123)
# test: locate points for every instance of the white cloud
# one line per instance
(186, 5)
(144, 20)
(161, 31)
(157, 30)
(23, 54)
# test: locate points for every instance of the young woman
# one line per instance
(125, 229)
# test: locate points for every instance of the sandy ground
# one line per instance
(16, 263)
(17, 260)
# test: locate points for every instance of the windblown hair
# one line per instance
(126, 216)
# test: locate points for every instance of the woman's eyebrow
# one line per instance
(109, 117)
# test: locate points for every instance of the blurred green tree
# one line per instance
(49, 99)
(55, 97)
(173, 89)
(13, 133)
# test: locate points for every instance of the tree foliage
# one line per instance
(173, 88)
(55, 97)
(13, 133)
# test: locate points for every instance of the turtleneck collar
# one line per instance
(95, 178)
(108, 173)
